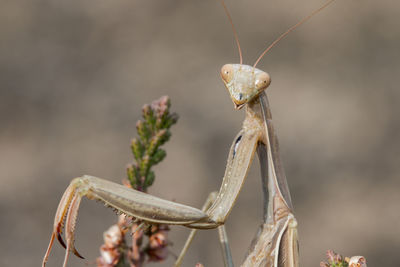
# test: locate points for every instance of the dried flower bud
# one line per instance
(112, 237)
(158, 240)
(109, 251)
(357, 261)
(108, 257)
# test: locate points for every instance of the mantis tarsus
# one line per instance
(276, 242)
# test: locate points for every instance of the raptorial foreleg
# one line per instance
(131, 202)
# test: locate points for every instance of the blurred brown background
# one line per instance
(74, 75)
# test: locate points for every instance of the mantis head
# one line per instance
(244, 82)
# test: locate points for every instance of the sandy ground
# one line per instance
(74, 75)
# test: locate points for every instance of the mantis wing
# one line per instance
(275, 244)
(273, 162)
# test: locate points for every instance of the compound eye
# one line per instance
(227, 73)
(262, 81)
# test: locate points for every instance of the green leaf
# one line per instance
(158, 156)
(137, 149)
(131, 172)
(149, 179)
(143, 131)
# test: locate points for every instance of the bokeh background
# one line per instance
(74, 75)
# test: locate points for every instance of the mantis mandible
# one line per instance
(276, 244)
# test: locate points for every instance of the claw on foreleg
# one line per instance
(63, 209)
(70, 227)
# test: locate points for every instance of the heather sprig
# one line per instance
(153, 132)
(336, 260)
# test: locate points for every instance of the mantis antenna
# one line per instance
(289, 30)
(234, 30)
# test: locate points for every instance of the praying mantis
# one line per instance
(276, 244)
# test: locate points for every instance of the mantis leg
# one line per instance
(185, 248)
(151, 209)
(210, 199)
(226, 250)
(221, 234)
(123, 199)
(223, 240)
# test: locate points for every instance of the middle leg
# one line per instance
(228, 262)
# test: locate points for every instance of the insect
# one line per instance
(276, 242)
